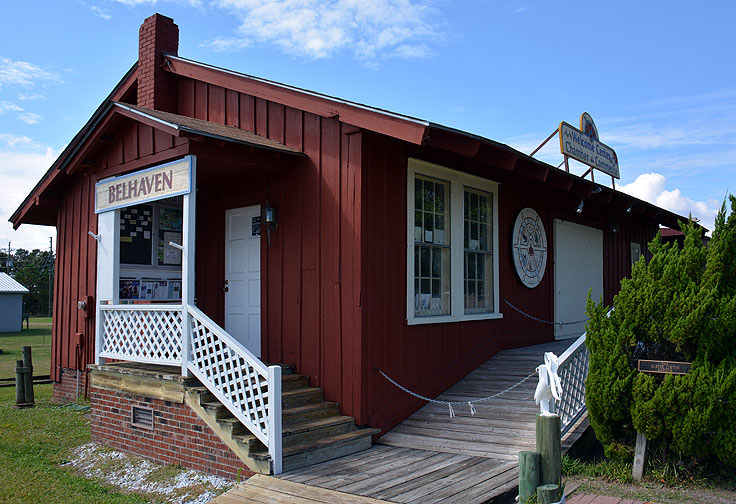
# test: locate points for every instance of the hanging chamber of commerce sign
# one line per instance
(163, 181)
(583, 145)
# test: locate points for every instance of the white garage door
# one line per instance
(578, 268)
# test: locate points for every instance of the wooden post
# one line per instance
(528, 474)
(640, 457)
(189, 228)
(275, 429)
(28, 364)
(20, 389)
(549, 447)
(548, 494)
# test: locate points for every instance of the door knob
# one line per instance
(225, 287)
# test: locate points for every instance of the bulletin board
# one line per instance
(136, 225)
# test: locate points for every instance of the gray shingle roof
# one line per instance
(10, 286)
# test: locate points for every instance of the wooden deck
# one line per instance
(431, 457)
(261, 489)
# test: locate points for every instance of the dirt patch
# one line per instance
(164, 484)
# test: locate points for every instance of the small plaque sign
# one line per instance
(664, 367)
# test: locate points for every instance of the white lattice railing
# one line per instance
(573, 371)
(142, 333)
(239, 380)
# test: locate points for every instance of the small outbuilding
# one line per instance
(11, 304)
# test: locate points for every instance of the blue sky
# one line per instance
(658, 77)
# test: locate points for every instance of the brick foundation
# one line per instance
(65, 390)
(178, 437)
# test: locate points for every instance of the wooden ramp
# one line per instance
(431, 457)
(500, 428)
(262, 489)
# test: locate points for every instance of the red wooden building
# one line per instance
(199, 203)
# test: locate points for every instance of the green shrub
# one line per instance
(680, 306)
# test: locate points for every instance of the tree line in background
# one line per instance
(35, 271)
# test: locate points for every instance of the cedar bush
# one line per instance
(679, 306)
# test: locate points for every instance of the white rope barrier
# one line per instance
(537, 319)
(451, 403)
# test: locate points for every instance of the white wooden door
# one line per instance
(578, 268)
(243, 276)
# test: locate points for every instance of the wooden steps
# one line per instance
(313, 429)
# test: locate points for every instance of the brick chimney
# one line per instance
(156, 87)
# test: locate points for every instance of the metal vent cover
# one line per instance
(142, 417)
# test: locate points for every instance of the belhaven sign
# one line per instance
(583, 145)
(163, 181)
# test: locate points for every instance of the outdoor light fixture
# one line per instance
(579, 209)
(269, 221)
(597, 189)
(629, 208)
(614, 228)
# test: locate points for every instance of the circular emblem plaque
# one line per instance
(529, 247)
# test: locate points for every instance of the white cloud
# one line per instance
(30, 118)
(11, 140)
(652, 187)
(321, 28)
(22, 163)
(22, 73)
(6, 106)
(31, 97)
(100, 12)
(135, 3)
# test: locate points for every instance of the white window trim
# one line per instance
(458, 182)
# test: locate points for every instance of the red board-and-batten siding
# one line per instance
(310, 300)
(333, 290)
(432, 357)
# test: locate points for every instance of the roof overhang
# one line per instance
(183, 126)
(500, 155)
(418, 132)
(40, 208)
(409, 129)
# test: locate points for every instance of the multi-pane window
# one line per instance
(452, 255)
(478, 254)
(431, 247)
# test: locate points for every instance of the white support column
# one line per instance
(189, 218)
(108, 270)
(274, 418)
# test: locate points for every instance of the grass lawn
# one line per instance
(34, 443)
(38, 337)
(664, 483)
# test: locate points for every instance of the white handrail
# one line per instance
(228, 339)
(572, 348)
(573, 371)
(249, 389)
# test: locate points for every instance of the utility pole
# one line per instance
(9, 260)
(51, 273)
